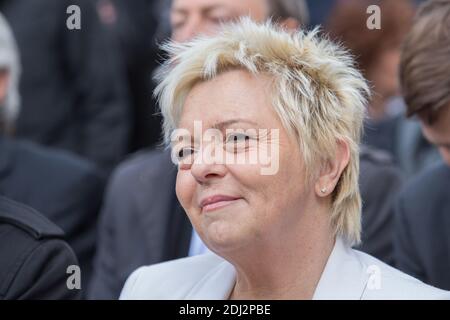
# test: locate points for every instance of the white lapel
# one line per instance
(344, 276)
(215, 285)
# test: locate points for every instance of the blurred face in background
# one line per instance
(377, 51)
(437, 131)
(189, 18)
(4, 80)
(383, 73)
(4, 77)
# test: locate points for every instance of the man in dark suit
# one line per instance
(66, 189)
(422, 227)
(422, 242)
(141, 223)
(135, 25)
(379, 182)
(72, 87)
(34, 257)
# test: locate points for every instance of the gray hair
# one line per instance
(285, 9)
(9, 60)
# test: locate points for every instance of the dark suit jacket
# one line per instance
(34, 258)
(64, 188)
(136, 28)
(422, 229)
(72, 88)
(379, 183)
(142, 222)
(404, 140)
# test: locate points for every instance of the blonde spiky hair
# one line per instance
(318, 94)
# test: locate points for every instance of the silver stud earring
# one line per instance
(323, 190)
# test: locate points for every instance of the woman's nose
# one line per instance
(208, 165)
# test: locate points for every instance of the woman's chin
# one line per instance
(223, 237)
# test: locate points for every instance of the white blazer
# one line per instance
(348, 274)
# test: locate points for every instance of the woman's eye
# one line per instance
(238, 142)
(238, 137)
(185, 152)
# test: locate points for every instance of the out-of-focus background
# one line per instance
(81, 135)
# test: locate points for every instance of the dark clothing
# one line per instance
(319, 11)
(135, 29)
(379, 183)
(64, 188)
(404, 140)
(142, 222)
(73, 94)
(382, 134)
(34, 257)
(422, 237)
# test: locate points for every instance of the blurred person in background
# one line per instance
(73, 92)
(319, 11)
(205, 17)
(377, 50)
(422, 242)
(63, 187)
(141, 209)
(378, 54)
(135, 30)
(35, 258)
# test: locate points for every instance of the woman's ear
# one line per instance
(332, 169)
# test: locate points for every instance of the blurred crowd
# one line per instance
(85, 179)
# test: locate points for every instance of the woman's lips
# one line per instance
(216, 202)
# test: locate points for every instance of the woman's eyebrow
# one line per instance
(221, 126)
(224, 124)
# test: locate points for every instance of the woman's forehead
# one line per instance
(233, 95)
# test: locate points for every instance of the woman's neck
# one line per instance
(289, 269)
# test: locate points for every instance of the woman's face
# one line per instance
(230, 202)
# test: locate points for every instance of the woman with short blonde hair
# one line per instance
(255, 90)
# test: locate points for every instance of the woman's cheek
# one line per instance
(185, 188)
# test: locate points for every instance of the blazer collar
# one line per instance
(216, 284)
(343, 278)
